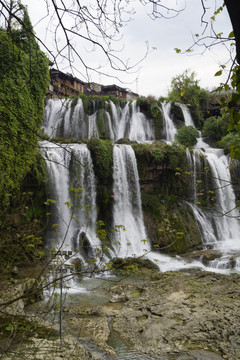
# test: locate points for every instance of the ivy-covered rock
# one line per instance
(102, 157)
(103, 125)
(24, 80)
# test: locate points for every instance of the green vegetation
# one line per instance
(231, 105)
(187, 136)
(24, 79)
(185, 89)
(159, 154)
(230, 141)
(102, 124)
(215, 126)
(102, 157)
(101, 152)
(177, 115)
(170, 225)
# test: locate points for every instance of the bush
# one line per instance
(230, 141)
(215, 126)
(187, 136)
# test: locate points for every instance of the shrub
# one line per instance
(215, 126)
(187, 135)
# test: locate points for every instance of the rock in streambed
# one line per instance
(176, 313)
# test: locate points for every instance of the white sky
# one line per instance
(156, 71)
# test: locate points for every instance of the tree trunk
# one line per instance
(233, 8)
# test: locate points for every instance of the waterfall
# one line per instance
(220, 226)
(134, 126)
(62, 120)
(70, 166)
(75, 126)
(225, 215)
(92, 126)
(110, 125)
(170, 128)
(72, 181)
(67, 120)
(54, 115)
(186, 114)
(140, 129)
(127, 208)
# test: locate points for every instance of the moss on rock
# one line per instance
(102, 157)
(177, 115)
(102, 124)
(171, 226)
(23, 221)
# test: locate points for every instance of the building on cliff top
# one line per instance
(65, 85)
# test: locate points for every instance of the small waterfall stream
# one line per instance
(127, 208)
(170, 128)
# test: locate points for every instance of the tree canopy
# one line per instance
(185, 89)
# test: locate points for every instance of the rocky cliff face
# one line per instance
(165, 181)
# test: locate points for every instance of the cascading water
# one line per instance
(92, 126)
(218, 230)
(186, 114)
(130, 123)
(67, 119)
(127, 209)
(55, 111)
(140, 128)
(170, 128)
(72, 181)
(220, 226)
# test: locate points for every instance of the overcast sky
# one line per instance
(163, 63)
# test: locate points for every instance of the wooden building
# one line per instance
(64, 85)
(114, 90)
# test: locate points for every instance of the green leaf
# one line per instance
(231, 35)
(177, 50)
(218, 73)
(10, 327)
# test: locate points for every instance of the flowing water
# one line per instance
(67, 119)
(220, 226)
(170, 128)
(127, 209)
(71, 171)
(73, 190)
